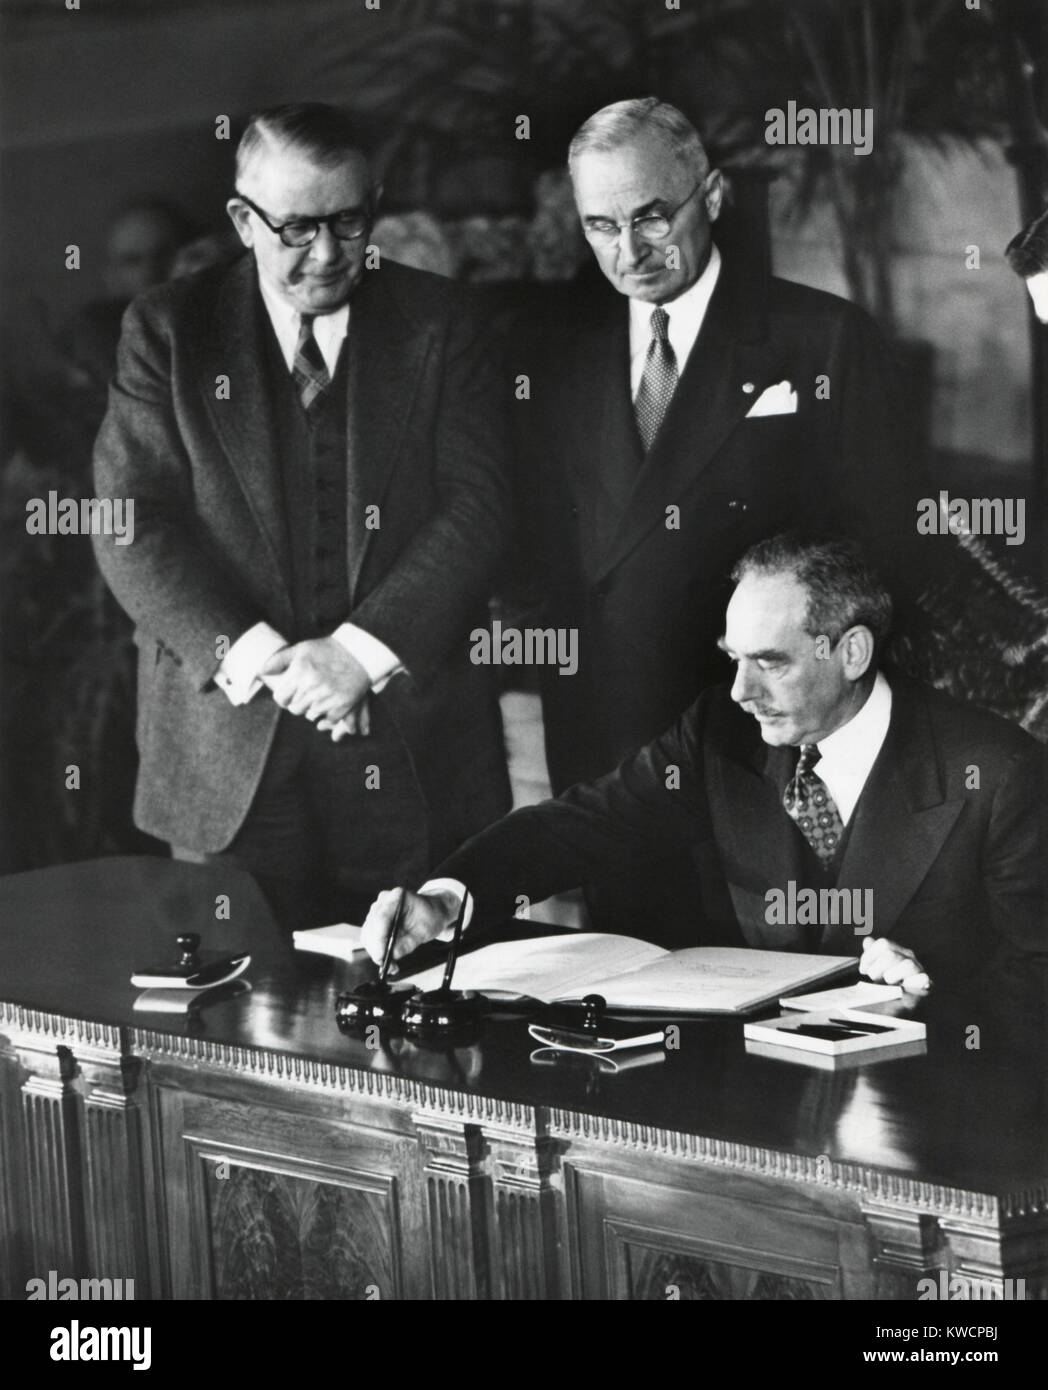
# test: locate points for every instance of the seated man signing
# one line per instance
(811, 772)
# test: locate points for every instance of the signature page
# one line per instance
(545, 967)
(714, 979)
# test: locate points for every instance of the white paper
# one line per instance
(781, 1032)
(847, 997)
(341, 940)
(545, 967)
(714, 979)
(181, 1001)
(633, 974)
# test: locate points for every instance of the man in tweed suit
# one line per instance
(314, 447)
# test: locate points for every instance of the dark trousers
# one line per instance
(320, 843)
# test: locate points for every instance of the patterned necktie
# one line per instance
(807, 801)
(309, 370)
(659, 381)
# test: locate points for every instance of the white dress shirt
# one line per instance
(686, 314)
(849, 753)
(329, 329)
(238, 673)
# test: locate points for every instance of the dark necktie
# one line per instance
(309, 370)
(659, 381)
(807, 801)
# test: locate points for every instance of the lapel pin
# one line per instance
(748, 388)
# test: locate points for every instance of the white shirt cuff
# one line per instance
(450, 885)
(238, 673)
(376, 658)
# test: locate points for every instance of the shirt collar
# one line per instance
(686, 311)
(328, 329)
(855, 745)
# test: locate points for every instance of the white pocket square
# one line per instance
(780, 399)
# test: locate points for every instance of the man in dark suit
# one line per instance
(1027, 254)
(673, 423)
(315, 451)
(910, 823)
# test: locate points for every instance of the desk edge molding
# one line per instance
(89, 1040)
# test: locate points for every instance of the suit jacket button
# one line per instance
(748, 388)
(735, 505)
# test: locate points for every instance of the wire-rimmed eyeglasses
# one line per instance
(650, 226)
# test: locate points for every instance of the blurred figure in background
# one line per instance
(211, 248)
(416, 239)
(141, 245)
(558, 248)
(492, 250)
(68, 656)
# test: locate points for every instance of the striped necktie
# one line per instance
(659, 381)
(309, 370)
(807, 801)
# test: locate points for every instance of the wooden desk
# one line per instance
(255, 1152)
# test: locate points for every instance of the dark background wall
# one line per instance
(107, 104)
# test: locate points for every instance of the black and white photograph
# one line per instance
(523, 668)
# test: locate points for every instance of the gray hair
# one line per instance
(844, 590)
(614, 126)
(325, 135)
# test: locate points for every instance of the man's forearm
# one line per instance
(628, 816)
(513, 860)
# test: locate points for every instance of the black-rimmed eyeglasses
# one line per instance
(650, 226)
(348, 225)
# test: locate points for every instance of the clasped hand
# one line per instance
(319, 679)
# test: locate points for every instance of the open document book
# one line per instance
(632, 974)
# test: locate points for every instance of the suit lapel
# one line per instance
(235, 348)
(901, 820)
(760, 833)
(387, 356)
(731, 353)
(596, 397)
